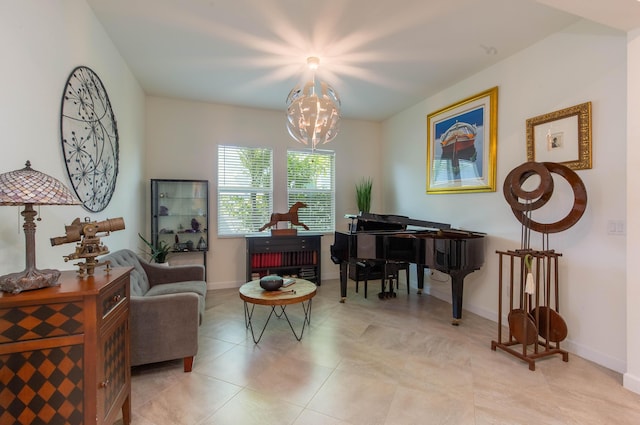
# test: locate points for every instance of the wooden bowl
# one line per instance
(271, 283)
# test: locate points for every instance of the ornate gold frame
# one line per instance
(442, 175)
(575, 151)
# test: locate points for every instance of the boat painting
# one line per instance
(461, 145)
(458, 142)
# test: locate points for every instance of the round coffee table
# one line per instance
(301, 292)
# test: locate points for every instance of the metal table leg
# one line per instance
(248, 315)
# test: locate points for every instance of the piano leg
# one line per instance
(420, 272)
(457, 288)
(390, 275)
(344, 267)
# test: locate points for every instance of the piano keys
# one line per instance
(386, 238)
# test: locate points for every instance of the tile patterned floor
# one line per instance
(370, 362)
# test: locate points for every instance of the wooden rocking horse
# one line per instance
(291, 216)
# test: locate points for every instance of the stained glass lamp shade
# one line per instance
(29, 187)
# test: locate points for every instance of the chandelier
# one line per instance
(313, 110)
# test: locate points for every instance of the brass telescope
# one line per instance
(77, 229)
(88, 245)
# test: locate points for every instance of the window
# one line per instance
(311, 179)
(245, 189)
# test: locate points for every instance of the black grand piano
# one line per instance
(386, 238)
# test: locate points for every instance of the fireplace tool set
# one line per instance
(535, 325)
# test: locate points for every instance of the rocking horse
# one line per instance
(291, 216)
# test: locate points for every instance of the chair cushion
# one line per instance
(199, 287)
(127, 258)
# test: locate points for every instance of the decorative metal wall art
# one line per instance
(537, 197)
(89, 139)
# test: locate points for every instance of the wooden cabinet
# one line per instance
(64, 351)
(296, 256)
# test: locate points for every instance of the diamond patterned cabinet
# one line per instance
(64, 351)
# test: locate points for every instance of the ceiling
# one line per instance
(381, 56)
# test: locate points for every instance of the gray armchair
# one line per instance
(167, 307)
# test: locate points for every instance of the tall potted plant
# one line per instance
(158, 253)
(363, 194)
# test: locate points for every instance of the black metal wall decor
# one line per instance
(89, 139)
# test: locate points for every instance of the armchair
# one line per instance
(167, 307)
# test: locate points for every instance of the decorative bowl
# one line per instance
(271, 282)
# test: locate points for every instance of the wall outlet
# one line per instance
(616, 227)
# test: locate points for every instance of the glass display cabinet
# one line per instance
(180, 215)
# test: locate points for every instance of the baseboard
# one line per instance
(572, 347)
(330, 275)
(223, 285)
(631, 382)
(609, 362)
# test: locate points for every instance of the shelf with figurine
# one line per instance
(180, 215)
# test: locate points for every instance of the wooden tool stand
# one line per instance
(535, 325)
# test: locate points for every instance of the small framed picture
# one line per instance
(563, 137)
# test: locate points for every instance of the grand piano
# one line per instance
(387, 238)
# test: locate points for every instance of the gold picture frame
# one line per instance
(462, 145)
(563, 137)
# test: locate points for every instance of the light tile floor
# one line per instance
(366, 362)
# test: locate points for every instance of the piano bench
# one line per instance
(390, 272)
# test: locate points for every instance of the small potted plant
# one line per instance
(158, 253)
(363, 195)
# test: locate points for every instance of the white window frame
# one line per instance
(319, 194)
(234, 181)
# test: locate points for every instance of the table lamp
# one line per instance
(29, 187)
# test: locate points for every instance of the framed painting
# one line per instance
(462, 144)
(563, 137)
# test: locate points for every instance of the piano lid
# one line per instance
(390, 221)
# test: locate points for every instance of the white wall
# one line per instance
(41, 43)
(586, 62)
(183, 138)
(632, 375)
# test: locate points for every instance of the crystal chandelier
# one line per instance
(313, 111)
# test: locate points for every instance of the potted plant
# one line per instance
(158, 253)
(363, 194)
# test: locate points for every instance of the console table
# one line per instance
(64, 351)
(289, 255)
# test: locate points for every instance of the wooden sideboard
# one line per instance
(64, 351)
(297, 256)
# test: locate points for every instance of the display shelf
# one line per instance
(180, 215)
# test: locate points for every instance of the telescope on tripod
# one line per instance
(87, 234)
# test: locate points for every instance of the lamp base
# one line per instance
(28, 280)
